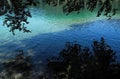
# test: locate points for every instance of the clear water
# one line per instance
(50, 31)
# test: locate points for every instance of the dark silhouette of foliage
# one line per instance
(104, 55)
(16, 13)
(77, 62)
(73, 5)
(105, 6)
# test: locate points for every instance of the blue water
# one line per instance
(49, 36)
(50, 44)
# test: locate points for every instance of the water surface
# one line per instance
(51, 31)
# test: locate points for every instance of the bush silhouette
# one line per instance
(80, 63)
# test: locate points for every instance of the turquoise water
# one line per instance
(50, 31)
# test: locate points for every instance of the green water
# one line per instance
(56, 14)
